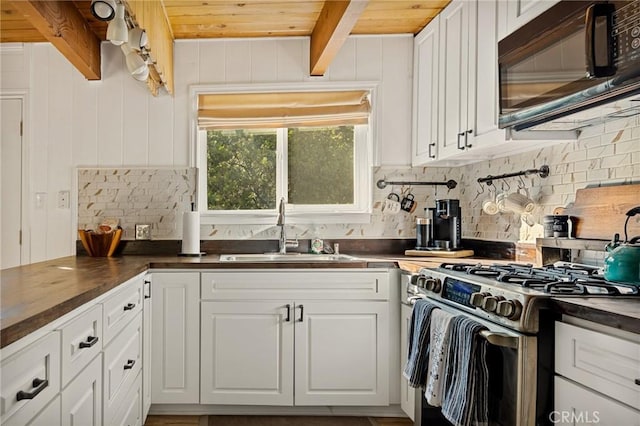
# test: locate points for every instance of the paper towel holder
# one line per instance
(191, 252)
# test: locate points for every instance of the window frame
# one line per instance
(364, 137)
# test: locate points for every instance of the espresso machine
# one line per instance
(446, 230)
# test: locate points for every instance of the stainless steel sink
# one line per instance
(288, 257)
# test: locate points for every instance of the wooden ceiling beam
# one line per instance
(334, 25)
(62, 25)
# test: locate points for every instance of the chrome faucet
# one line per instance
(284, 243)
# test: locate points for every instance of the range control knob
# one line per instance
(490, 303)
(422, 281)
(413, 280)
(434, 285)
(477, 298)
(509, 308)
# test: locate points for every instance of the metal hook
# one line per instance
(521, 184)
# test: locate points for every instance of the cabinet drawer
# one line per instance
(261, 284)
(33, 375)
(577, 405)
(607, 364)
(122, 363)
(50, 416)
(129, 413)
(82, 399)
(121, 307)
(81, 342)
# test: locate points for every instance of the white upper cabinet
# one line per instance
(456, 83)
(454, 77)
(425, 86)
(519, 12)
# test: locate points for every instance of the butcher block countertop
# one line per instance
(34, 295)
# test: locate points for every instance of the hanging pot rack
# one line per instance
(383, 183)
(543, 172)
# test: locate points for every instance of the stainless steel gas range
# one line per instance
(512, 302)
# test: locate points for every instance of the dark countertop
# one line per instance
(621, 313)
(34, 295)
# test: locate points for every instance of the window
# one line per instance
(249, 159)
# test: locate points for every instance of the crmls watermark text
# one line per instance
(573, 417)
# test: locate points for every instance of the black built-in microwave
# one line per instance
(574, 56)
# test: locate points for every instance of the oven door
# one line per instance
(512, 363)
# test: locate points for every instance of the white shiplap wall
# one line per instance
(115, 122)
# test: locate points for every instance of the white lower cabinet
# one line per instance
(247, 353)
(146, 348)
(49, 416)
(407, 393)
(303, 351)
(341, 353)
(30, 380)
(129, 413)
(175, 341)
(577, 405)
(597, 375)
(82, 399)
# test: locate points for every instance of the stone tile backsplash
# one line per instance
(154, 196)
(606, 154)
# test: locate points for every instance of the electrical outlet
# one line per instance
(143, 232)
(63, 199)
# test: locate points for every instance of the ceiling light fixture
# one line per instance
(138, 38)
(135, 63)
(117, 30)
(103, 10)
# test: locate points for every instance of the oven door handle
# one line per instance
(500, 339)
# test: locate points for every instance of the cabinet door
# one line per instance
(146, 349)
(425, 89)
(608, 364)
(454, 68)
(175, 344)
(519, 12)
(483, 77)
(247, 353)
(341, 353)
(50, 416)
(407, 393)
(577, 405)
(82, 399)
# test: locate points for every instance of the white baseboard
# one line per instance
(230, 410)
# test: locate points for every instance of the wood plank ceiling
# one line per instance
(328, 22)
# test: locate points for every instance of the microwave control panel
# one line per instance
(626, 32)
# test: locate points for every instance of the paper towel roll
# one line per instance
(190, 233)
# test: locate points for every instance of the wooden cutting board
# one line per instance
(439, 253)
(599, 213)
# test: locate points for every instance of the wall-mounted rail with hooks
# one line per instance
(543, 172)
(383, 183)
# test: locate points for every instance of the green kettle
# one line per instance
(623, 259)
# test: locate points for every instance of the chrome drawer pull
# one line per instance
(129, 306)
(38, 384)
(130, 363)
(90, 342)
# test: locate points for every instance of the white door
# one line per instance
(247, 353)
(341, 353)
(11, 186)
(82, 399)
(175, 338)
(425, 104)
(454, 63)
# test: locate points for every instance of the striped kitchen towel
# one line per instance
(440, 337)
(415, 369)
(466, 382)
